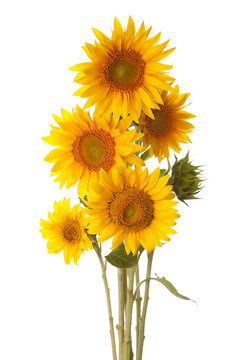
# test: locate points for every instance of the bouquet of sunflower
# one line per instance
(138, 113)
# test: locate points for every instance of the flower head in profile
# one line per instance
(65, 230)
(169, 127)
(132, 207)
(124, 72)
(84, 146)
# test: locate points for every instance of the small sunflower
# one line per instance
(66, 230)
(169, 127)
(132, 207)
(85, 146)
(124, 72)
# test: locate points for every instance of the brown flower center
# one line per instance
(162, 123)
(95, 149)
(132, 209)
(72, 232)
(125, 70)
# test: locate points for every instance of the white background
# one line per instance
(53, 311)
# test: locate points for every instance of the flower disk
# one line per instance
(66, 230)
(124, 73)
(132, 207)
(169, 128)
(85, 146)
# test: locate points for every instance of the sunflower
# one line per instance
(169, 126)
(132, 207)
(66, 230)
(124, 72)
(85, 146)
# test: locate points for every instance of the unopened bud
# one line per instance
(186, 179)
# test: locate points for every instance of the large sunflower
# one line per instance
(124, 73)
(85, 146)
(133, 208)
(169, 127)
(66, 230)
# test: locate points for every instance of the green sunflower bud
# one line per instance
(186, 179)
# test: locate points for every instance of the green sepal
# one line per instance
(146, 155)
(82, 201)
(120, 259)
(162, 172)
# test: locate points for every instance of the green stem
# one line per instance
(129, 303)
(125, 288)
(108, 298)
(141, 282)
(121, 307)
(145, 305)
(138, 299)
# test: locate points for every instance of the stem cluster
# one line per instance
(126, 297)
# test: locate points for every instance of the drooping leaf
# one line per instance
(171, 288)
(120, 259)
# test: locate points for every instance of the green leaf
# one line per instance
(120, 259)
(145, 156)
(171, 288)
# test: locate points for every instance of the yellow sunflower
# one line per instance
(169, 127)
(132, 207)
(124, 72)
(85, 146)
(66, 230)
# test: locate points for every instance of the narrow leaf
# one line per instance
(171, 288)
